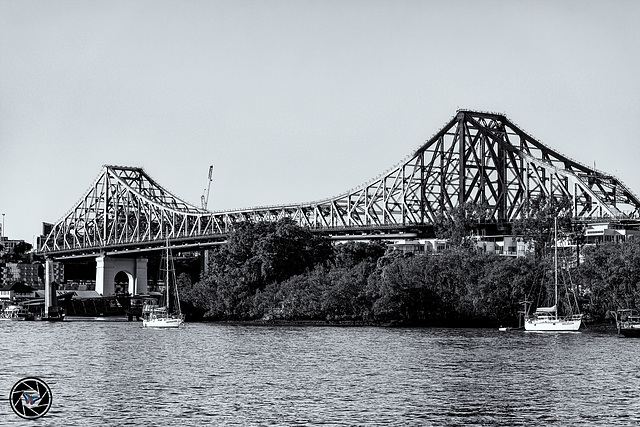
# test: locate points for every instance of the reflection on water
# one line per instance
(117, 373)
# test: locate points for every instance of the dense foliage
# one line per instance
(537, 227)
(274, 271)
(610, 277)
(460, 222)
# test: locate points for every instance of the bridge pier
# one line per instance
(50, 297)
(108, 267)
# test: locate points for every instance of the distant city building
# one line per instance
(420, 246)
(610, 232)
(29, 273)
(407, 246)
(499, 245)
(515, 246)
(16, 292)
(503, 245)
(9, 244)
(17, 272)
(435, 245)
(79, 285)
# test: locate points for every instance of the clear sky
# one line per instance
(295, 101)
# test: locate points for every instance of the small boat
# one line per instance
(57, 316)
(628, 322)
(546, 319)
(168, 315)
(16, 312)
(160, 318)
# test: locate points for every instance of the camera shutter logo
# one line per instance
(30, 398)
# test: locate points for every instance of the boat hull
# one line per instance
(627, 329)
(163, 323)
(628, 322)
(630, 333)
(556, 325)
(50, 318)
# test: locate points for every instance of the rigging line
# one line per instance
(573, 290)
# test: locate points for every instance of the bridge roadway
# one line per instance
(198, 243)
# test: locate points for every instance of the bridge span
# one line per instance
(477, 157)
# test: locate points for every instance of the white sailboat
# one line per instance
(169, 315)
(546, 319)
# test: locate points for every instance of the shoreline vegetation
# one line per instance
(280, 273)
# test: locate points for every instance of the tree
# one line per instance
(350, 254)
(255, 257)
(286, 250)
(537, 226)
(460, 222)
(300, 297)
(345, 295)
(610, 277)
(503, 283)
(418, 289)
(19, 251)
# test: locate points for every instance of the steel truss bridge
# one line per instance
(478, 157)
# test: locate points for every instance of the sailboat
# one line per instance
(168, 315)
(546, 319)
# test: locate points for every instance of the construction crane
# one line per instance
(204, 199)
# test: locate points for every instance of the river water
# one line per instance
(117, 374)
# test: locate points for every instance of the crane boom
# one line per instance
(204, 199)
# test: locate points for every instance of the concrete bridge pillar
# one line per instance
(108, 267)
(50, 299)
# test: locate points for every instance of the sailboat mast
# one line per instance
(555, 259)
(167, 277)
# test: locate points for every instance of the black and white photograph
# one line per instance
(319, 213)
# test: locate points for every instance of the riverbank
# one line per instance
(594, 327)
(605, 328)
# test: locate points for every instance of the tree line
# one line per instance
(280, 271)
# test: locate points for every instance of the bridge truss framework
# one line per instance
(480, 158)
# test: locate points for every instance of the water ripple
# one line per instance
(117, 373)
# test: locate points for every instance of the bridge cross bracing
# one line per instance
(477, 157)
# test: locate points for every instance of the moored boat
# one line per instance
(168, 315)
(16, 312)
(546, 319)
(160, 318)
(628, 322)
(53, 314)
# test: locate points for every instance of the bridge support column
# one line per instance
(204, 262)
(50, 297)
(107, 268)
